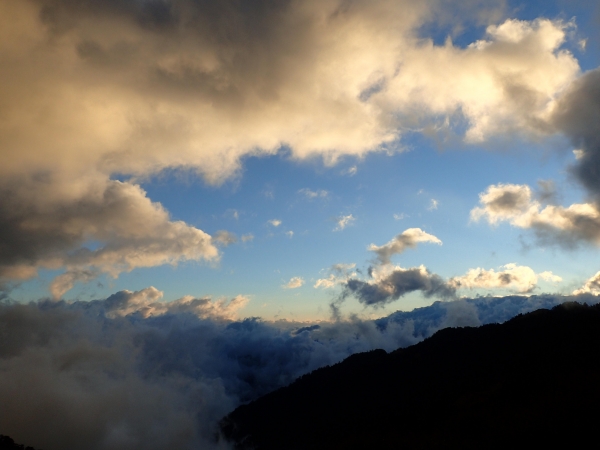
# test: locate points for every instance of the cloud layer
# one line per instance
(131, 372)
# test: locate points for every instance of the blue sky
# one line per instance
(282, 195)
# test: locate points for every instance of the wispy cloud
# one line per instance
(224, 238)
(351, 171)
(343, 222)
(433, 205)
(294, 283)
(310, 194)
(407, 239)
(274, 222)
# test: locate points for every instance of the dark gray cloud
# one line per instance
(577, 116)
(107, 375)
(389, 286)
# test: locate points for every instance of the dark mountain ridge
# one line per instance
(533, 380)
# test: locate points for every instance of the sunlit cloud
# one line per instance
(294, 283)
(407, 239)
(566, 226)
(343, 222)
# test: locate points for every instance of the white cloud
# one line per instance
(146, 303)
(294, 283)
(129, 229)
(400, 216)
(339, 273)
(322, 193)
(521, 279)
(591, 286)
(433, 205)
(247, 237)
(407, 239)
(343, 222)
(351, 171)
(555, 224)
(290, 234)
(275, 222)
(549, 276)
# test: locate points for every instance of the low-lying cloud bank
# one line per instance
(132, 372)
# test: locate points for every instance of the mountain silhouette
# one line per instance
(533, 380)
(6, 443)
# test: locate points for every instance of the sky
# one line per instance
(251, 148)
(271, 165)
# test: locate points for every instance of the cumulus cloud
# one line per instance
(294, 283)
(576, 115)
(388, 283)
(591, 286)
(275, 222)
(343, 222)
(407, 239)
(521, 279)
(146, 303)
(43, 229)
(566, 226)
(549, 276)
(95, 90)
(106, 374)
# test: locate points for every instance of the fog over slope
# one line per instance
(132, 372)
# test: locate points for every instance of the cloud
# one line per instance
(274, 222)
(322, 193)
(390, 283)
(92, 91)
(407, 239)
(400, 216)
(351, 171)
(576, 115)
(146, 303)
(433, 205)
(43, 229)
(339, 273)
(224, 238)
(247, 237)
(294, 283)
(290, 234)
(122, 378)
(343, 222)
(566, 226)
(591, 286)
(549, 276)
(522, 279)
